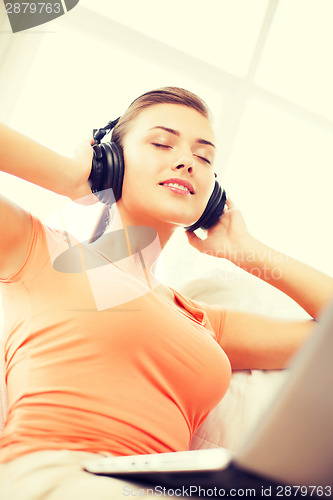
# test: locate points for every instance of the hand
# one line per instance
(226, 238)
(82, 158)
(84, 152)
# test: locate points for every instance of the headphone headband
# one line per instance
(98, 134)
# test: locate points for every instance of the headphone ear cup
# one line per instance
(107, 172)
(118, 169)
(97, 169)
(213, 210)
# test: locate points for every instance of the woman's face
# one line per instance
(167, 144)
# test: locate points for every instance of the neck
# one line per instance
(123, 218)
(134, 245)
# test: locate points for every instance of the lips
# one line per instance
(180, 182)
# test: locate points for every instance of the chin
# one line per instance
(181, 223)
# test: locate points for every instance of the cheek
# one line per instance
(208, 187)
(136, 176)
(141, 168)
(132, 170)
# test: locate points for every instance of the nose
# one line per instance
(184, 160)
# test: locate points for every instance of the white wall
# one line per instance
(265, 71)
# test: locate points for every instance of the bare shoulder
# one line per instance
(15, 230)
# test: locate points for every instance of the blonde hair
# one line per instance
(164, 95)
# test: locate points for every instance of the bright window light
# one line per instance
(297, 60)
(280, 174)
(70, 89)
(220, 32)
(275, 164)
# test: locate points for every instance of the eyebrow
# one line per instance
(175, 132)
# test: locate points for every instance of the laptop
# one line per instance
(289, 454)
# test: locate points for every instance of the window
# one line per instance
(262, 66)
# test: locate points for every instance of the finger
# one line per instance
(89, 141)
(230, 204)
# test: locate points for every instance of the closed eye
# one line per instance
(204, 159)
(163, 146)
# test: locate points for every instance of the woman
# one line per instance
(104, 359)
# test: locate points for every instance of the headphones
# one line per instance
(107, 174)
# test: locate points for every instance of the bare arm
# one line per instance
(267, 343)
(25, 158)
(229, 239)
(255, 341)
(308, 287)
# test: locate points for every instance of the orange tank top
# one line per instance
(137, 377)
